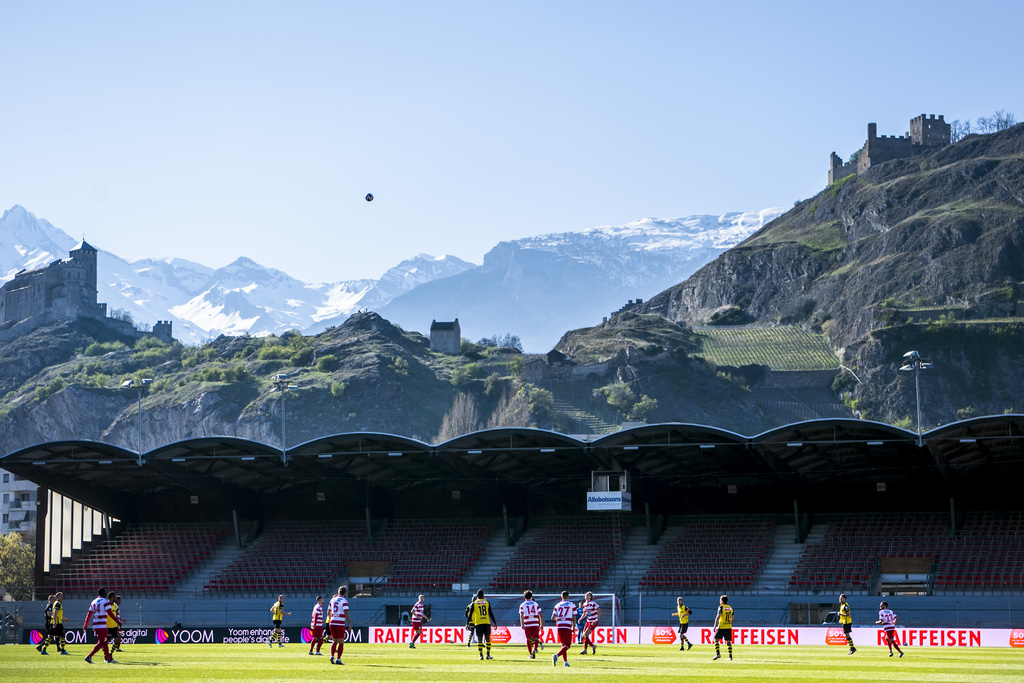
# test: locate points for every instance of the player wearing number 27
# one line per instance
(563, 615)
(887, 618)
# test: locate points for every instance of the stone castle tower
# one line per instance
(65, 288)
(926, 133)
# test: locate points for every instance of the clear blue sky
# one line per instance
(211, 130)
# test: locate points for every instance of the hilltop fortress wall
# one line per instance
(926, 134)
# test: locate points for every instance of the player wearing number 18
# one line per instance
(481, 616)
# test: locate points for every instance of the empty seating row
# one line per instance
(145, 558)
(705, 553)
(305, 557)
(563, 553)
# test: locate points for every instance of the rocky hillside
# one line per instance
(63, 382)
(910, 241)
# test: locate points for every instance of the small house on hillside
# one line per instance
(446, 337)
(555, 358)
(534, 370)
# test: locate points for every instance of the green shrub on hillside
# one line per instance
(52, 387)
(642, 409)
(274, 352)
(301, 357)
(214, 373)
(542, 403)
(102, 348)
(327, 363)
(619, 396)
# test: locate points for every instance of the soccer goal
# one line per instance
(506, 606)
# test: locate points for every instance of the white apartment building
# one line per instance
(17, 504)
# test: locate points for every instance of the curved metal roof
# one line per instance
(236, 473)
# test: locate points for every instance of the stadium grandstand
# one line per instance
(792, 516)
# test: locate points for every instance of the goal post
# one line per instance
(506, 607)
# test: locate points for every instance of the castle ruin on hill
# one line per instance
(65, 288)
(926, 133)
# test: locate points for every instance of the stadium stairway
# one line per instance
(223, 554)
(774, 578)
(633, 560)
(815, 535)
(496, 555)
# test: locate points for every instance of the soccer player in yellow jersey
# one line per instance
(723, 626)
(113, 623)
(48, 614)
(58, 623)
(481, 616)
(278, 614)
(846, 619)
(683, 612)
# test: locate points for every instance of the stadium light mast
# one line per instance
(140, 385)
(912, 361)
(282, 384)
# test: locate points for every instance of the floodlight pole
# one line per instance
(140, 385)
(912, 361)
(282, 384)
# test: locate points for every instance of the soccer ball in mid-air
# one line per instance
(369, 197)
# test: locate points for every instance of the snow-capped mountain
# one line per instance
(536, 287)
(541, 287)
(27, 243)
(203, 302)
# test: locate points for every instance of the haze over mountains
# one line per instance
(535, 287)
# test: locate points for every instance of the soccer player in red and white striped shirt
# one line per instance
(531, 618)
(96, 617)
(563, 615)
(416, 618)
(316, 625)
(592, 613)
(887, 618)
(339, 621)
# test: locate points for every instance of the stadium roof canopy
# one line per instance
(793, 461)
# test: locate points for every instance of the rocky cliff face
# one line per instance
(940, 230)
(375, 377)
(937, 229)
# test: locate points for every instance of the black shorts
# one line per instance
(483, 631)
(277, 623)
(724, 634)
(682, 628)
(114, 632)
(847, 628)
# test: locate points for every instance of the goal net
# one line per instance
(506, 607)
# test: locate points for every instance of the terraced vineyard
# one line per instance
(780, 348)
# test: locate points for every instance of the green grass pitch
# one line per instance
(459, 663)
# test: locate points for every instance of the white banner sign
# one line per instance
(610, 500)
(701, 635)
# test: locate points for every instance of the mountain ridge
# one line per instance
(245, 297)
